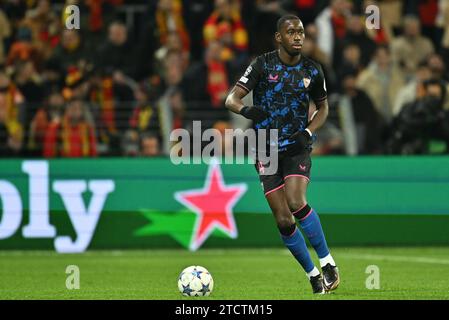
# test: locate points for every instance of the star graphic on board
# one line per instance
(177, 225)
(213, 205)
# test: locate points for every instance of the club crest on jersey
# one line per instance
(272, 78)
(306, 82)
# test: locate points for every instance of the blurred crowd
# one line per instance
(119, 86)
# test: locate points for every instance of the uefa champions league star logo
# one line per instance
(213, 205)
(209, 210)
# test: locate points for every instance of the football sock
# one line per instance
(327, 259)
(311, 225)
(313, 273)
(295, 242)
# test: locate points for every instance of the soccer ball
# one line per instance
(195, 281)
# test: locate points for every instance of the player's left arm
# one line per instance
(318, 93)
(320, 116)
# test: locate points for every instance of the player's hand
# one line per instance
(303, 140)
(257, 114)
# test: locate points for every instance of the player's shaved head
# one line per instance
(285, 18)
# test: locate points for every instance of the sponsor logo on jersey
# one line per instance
(272, 78)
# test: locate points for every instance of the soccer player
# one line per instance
(283, 81)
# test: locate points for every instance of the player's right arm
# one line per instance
(246, 83)
(234, 100)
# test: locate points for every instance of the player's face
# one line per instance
(291, 37)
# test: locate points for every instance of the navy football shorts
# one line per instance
(289, 166)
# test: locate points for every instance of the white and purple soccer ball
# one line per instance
(195, 281)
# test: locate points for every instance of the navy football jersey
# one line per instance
(284, 91)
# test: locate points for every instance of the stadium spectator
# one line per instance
(177, 108)
(169, 19)
(101, 13)
(437, 66)
(332, 24)
(76, 83)
(329, 137)
(218, 83)
(173, 68)
(173, 44)
(391, 16)
(149, 146)
(306, 9)
(196, 13)
(15, 11)
(172, 112)
(145, 116)
(360, 123)
(272, 6)
(381, 80)
(356, 34)
(4, 148)
(10, 145)
(148, 43)
(205, 86)
(29, 83)
(421, 121)
(428, 13)
(22, 48)
(383, 33)
(443, 22)
(12, 110)
(5, 33)
(130, 143)
(50, 112)
(226, 26)
(260, 20)
(413, 89)
(351, 61)
(311, 49)
(199, 47)
(329, 141)
(116, 54)
(111, 102)
(410, 48)
(73, 135)
(45, 27)
(71, 52)
(439, 71)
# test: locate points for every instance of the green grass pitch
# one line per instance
(405, 273)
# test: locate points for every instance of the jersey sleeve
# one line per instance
(252, 75)
(318, 92)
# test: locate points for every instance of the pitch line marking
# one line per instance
(395, 258)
